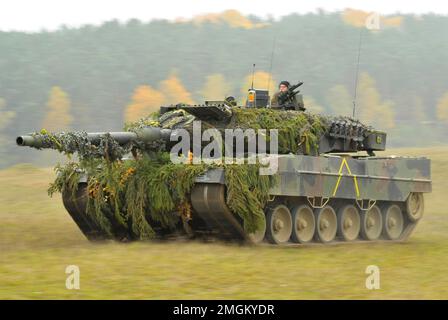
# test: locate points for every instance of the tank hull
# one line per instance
(376, 178)
(333, 182)
(324, 199)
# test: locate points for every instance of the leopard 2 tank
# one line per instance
(324, 188)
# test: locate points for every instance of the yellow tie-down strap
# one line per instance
(355, 181)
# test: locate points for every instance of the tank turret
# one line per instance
(330, 134)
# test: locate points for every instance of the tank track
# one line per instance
(76, 205)
(209, 203)
(212, 219)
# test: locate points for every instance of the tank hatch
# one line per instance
(210, 110)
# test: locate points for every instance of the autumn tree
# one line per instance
(57, 118)
(418, 113)
(357, 18)
(237, 20)
(233, 18)
(369, 106)
(144, 101)
(261, 80)
(311, 104)
(5, 118)
(442, 108)
(339, 101)
(174, 91)
(58, 111)
(215, 88)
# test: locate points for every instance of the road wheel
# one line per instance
(349, 222)
(326, 224)
(415, 206)
(304, 224)
(393, 222)
(278, 224)
(371, 223)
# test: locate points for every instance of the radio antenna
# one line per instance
(253, 72)
(357, 72)
(272, 61)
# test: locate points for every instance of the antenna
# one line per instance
(356, 74)
(272, 59)
(253, 71)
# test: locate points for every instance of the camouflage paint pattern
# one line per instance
(330, 176)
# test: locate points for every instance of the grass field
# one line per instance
(38, 240)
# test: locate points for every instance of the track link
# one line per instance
(209, 203)
(76, 205)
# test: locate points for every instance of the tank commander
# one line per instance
(283, 99)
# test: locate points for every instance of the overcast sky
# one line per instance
(33, 15)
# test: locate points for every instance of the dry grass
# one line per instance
(38, 240)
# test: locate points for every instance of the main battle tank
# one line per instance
(323, 189)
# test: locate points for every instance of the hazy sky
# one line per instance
(33, 15)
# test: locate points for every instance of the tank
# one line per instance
(326, 184)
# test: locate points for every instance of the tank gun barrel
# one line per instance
(146, 135)
(28, 141)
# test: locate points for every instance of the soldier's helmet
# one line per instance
(285, 83)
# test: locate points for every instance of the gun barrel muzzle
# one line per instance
(28, 141)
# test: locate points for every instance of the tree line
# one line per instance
(95, 78)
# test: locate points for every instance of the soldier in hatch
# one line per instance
(290, 103)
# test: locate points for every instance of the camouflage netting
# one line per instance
(130, 194)
(77, 142)
(133, 197)
(298, 131)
